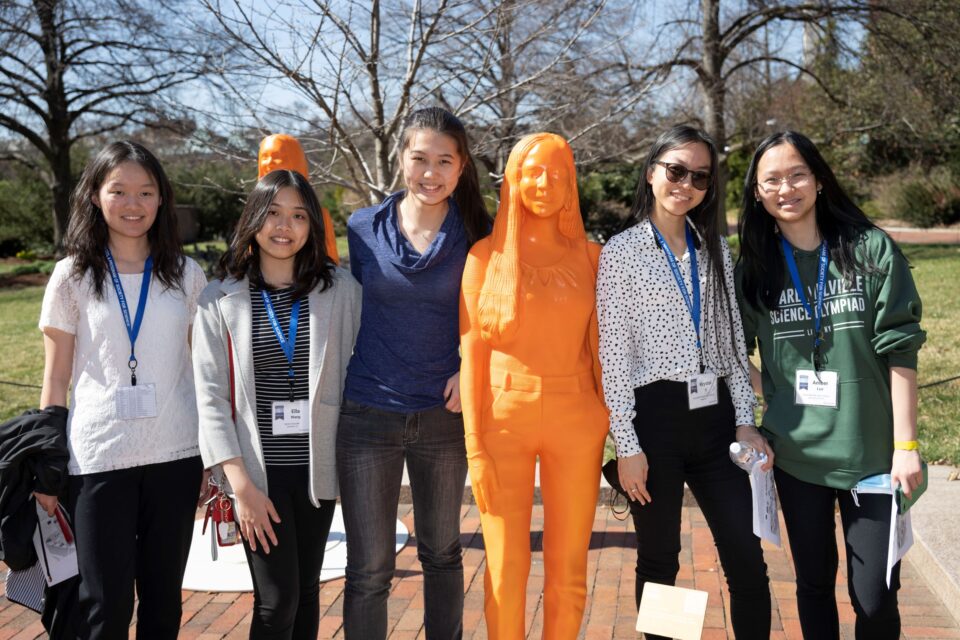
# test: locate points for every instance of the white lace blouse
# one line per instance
(646, 333)
(98, 440)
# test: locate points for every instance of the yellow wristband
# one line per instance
(906, 445)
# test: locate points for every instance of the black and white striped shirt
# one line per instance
(270, 369)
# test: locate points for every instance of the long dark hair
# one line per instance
(312, 265)
(467, 194)
(87, 233)
(840, 222)
(703, 216)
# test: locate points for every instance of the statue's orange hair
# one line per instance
(497, 307)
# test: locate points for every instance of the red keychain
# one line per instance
(220, 510)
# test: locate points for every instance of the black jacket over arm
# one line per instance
(33, 457)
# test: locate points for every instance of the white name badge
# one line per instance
(134, 402)
(290, 418)
(816, 390)
(702, 390)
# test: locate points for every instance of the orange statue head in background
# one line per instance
(281, 151)
(540, 180)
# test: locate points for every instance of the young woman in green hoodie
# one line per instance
(829, 300)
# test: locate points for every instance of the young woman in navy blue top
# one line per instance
(402, 392)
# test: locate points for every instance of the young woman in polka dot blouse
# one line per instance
(675, 375)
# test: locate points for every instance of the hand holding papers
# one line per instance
(766, 522)
(901, 530)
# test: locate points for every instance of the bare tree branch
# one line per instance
(70, 70)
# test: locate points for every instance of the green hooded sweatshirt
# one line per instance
(870, 324)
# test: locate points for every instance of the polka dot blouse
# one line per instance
(646, 333)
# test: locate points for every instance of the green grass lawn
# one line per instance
(34, 266)
(937, 272)
(22, 347)
(936, 269)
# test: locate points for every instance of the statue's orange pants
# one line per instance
(562, 421)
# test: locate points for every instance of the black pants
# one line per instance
(808, 510)
(286, 581)
(691, 446)
(133, 526)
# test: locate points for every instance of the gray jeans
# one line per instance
(372, 446)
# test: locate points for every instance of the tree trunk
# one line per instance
(508, 101)
(383, 168)
(61, 188)
(713, 90)
(58, 117)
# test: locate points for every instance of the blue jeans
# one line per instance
(371, 448)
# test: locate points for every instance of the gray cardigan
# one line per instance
(224, 309)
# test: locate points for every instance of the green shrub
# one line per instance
(872, 208)
(926, 199)
(37, 266)
(25, 215)
(734, 241)
(738, 161)
(215, 192)
(606, 195)
(919, 196)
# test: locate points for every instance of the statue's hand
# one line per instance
(483, 481)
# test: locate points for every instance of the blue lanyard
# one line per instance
(286, 343)
(817, 311)
(133, 328)
(693, 306)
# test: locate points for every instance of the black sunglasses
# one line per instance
(677, 172)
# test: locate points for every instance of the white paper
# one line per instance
(58, 558)
(901, 528)
(816, 389)
(702, 390)
(901, 537)
(672, 611)
(290, 418)
(766, 521)
(138, 401)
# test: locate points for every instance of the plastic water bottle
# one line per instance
(744, 456)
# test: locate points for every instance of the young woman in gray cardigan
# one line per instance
(271, 342)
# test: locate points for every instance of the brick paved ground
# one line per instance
(610, 608)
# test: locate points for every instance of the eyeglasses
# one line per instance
(794, 181)
(677, 173)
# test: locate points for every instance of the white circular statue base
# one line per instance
(230, 572)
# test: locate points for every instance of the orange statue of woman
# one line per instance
(530, 387)
(282, 151)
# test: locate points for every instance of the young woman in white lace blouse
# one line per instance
(116, 321)
(675, 373)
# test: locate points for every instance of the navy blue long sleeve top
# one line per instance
(408, 345)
